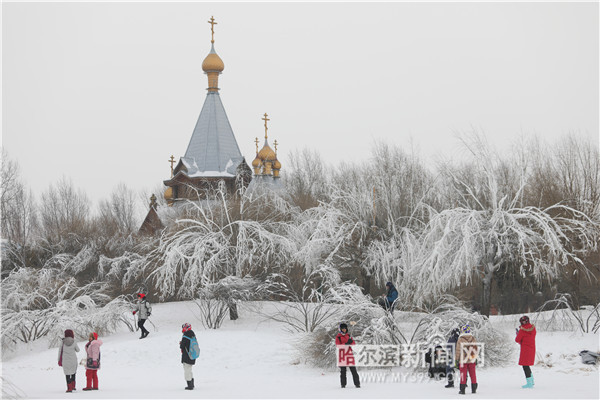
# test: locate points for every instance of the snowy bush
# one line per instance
(370, 324)
(560, 314)
(442, 320)
(215, 300)
(358, 311)
(38, 303)
(321, 299)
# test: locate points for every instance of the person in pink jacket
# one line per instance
(92, 366)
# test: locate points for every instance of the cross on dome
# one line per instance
(266, 119)
(212, 29)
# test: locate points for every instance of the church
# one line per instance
(213, 155)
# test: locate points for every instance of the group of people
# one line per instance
(67, 358)
(463, 342)
(67, 352)
(461, 339)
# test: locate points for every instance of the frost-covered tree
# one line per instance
(18, 222)
(119, 213)
(492, 232)
(213, 245)
(64, 213)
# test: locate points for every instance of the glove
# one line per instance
(350, 341)
(134, 312)
(517, 330)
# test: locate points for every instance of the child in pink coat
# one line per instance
(92, 366)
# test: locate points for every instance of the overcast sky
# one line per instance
(105, 93)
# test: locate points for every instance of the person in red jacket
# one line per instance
(526, 338)
(344, 338)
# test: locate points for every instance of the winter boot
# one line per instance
(529, 383)
(343, 386)
(190, 385)
(450, 384)
(473, 388)
(532, 382)
(462, 388)
(69, 387)
(87, 388)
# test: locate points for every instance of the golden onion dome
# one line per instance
(256, 162)
(267, 153)
(213, 62)
(276, 164)
(168, 193)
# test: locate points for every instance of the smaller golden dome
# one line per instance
(267, 153)
(276, 165)
(256, 162)
(213, 62)
(168, 193)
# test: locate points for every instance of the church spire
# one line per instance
(266, 162)
(212, 64)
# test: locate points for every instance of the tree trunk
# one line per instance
(366, 281)
(487, 290)
(233, 311)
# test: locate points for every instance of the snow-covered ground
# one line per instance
(254, 358)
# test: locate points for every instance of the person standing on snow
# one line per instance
(451, 346)
(144, 312)
(526, 338)
(344, 338)
(387, 301)
(466, 357)
(187, 362)
(92, 348)
(68, 359)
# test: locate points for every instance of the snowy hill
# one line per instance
(254, 358)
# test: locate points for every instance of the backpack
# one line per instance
(194, 351)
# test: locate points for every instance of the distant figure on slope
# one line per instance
(451, 346)
(144, 309)
(526, 338)
(68, 359)
(341, 339)
(92, 348)
(387, 301)
(466, 358)
(186, 360)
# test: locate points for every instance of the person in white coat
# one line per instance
(67, 358)
(143, 309)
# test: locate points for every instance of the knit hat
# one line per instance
(466, 329)
(524, 320)
(343, 326)
(69, 333)
(389, 284)
(141, 295)
(95, 335)
(185, 327)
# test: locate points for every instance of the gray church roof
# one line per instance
(213, 150)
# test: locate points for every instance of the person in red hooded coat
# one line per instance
(526, 338)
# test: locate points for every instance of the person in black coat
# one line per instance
(187, 362)
(450, 365)
(435, 358)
